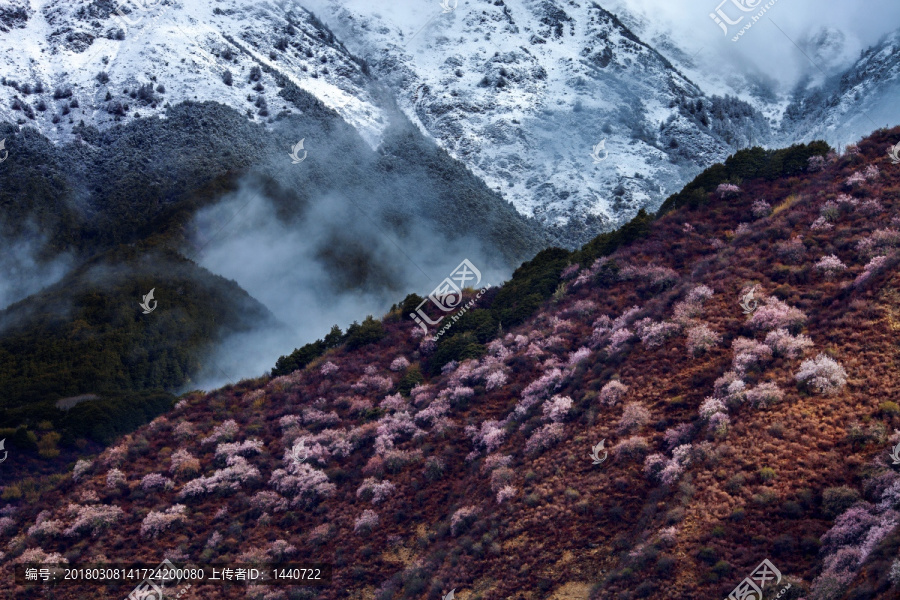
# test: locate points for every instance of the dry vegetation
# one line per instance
(736, 438)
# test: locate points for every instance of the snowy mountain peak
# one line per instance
(522, 90)
(100, 62)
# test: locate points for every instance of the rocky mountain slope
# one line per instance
(520, 91)
(105, 62)
(523, 91)
(735, 356)
(843, 108)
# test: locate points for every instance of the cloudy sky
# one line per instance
(765, 46)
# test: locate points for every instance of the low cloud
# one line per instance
(337, 265)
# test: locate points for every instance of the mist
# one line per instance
(309, 273)
(781, 45)
(25, 271)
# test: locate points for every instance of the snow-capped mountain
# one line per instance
(70, 60)
(562, 107)
(843, 108)
(523, 91)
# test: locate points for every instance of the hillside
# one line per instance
(137, 190)
(736, 353)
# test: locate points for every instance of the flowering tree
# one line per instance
(612, 392)
(495, 380)
(578, 356)
(557, 408)
(544, 438)
(81, 468)
(761, 208)
(821, 224)
(184, 431)
(675, 467)
(719, 423)
(393, 427)
(490, 435)
(183, 461)
(115, 479)
(727, 190)
(634, 416)
(158, 521)
(775, 314)
(823, 374)
(320, 418)
(366, 522)
(245, 448)
(749, 353)
(224, 432)
(570, 271)
(764, 394)
(871, 207)
(462, 519)
(537, 390)
(654, 334)
(92, 519)
(237, 473)
(505, 493)
(376, 491)
(656, 277)
(855, 179)
(700, 338)
(305, 484)
(44, 527)
(730, 388)
(784, 344)
(678, 435)
(830, 266)
(617, 341)
(710, 407)
(374, 383)
(814, 164)
(871, 269)
(38, 556)
(328, 368)
(156, 481)
(881, 242)
(268, 501)
(394, 402)
(399, 364)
